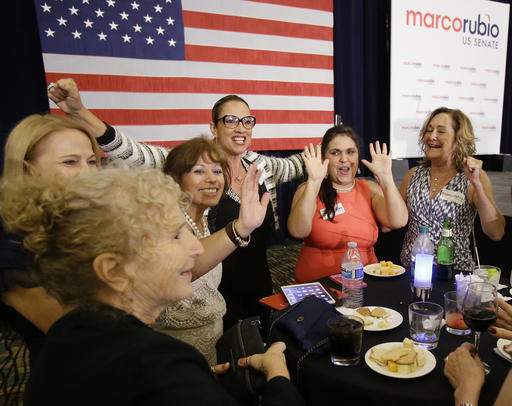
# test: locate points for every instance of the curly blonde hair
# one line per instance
(465, 140)
(23, 138)
(67, 224)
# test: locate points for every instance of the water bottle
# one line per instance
(352, 277)
(422, 245)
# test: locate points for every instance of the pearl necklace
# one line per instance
(195, 228)
(344, 188)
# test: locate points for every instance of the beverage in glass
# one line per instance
(346, 339)
(425, 323)
(453, 314)
(480, 309)
(488, 273)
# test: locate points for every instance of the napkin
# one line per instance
(505, 298)
(501, 286)
(497, 351)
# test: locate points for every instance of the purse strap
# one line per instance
(301, 359)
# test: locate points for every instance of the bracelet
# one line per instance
(234, 237)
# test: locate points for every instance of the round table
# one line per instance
(322, 383)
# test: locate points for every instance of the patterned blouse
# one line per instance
(452, 201)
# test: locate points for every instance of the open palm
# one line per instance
(316, 169)
(381, 163)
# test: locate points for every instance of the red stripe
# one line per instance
(198, 116)
(256, 57)
(112, 83)
(261, 144)
(255, 25)
(322, 5)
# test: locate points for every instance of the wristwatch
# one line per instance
(234, 237)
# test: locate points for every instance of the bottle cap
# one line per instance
(352, 244)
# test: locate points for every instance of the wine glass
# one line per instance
(479, 310)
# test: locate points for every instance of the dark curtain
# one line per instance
(361, 67)
(24, 86)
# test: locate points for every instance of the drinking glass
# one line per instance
(346, 339)
(453, 315)
(479, 310)
(425, 320)
(488, 273)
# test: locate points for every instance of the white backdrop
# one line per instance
(447, 53)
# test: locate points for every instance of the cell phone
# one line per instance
(295, 293)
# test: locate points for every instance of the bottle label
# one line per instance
(446, 232)
(352, 272)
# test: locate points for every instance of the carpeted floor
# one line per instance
(282, 260)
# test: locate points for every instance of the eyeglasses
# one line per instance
(231, 121)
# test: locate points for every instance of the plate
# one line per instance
(430, 363)
(371, 268)
(394, 318)
(502, 343)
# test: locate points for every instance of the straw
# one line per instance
(476, 249)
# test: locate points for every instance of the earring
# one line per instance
(359, 171)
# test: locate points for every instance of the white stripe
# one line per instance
(229, 39)
(160, 101)
(242, 8)
(139, 67)
(185, 132)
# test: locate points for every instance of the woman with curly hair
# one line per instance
(449, 182)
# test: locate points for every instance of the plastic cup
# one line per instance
(425, 323)
(488, 273)
(453, 315)
(346, 339)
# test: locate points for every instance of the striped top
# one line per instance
(275, 171)
(430, 212)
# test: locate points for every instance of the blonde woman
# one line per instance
(115, 250)
(449, 182)
(45, 147)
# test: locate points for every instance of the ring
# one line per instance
(51, 86)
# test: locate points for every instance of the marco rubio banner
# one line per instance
(447, 53)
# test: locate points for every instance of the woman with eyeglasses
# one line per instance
(246, 275)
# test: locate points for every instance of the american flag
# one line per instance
(154, 68)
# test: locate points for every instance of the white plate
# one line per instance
(370, 270)
(502, 343)
(393, 318)
(430, 363)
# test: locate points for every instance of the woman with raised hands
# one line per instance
(114, 249)
(231, 126)
(333, 207)
(449, 182)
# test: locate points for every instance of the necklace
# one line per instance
(438, 182)
(344, 188)
(240, 178)
(195, 228)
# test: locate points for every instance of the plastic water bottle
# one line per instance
(422, 245)
(352, 277)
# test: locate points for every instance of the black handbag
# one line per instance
(241, 340)
(305, 321)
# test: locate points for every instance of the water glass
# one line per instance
(346, 339)
(453, 315)
(489, 274)
(425, 320)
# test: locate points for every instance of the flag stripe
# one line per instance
(157, 101)
(78, 64)
(324, 5)
(252, 9)
(255, 25)
(159, 133)
(261, 144)
(246, 56)
(197, 116)
(230, 39)
(116, 83)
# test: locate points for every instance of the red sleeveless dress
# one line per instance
(323, 249)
